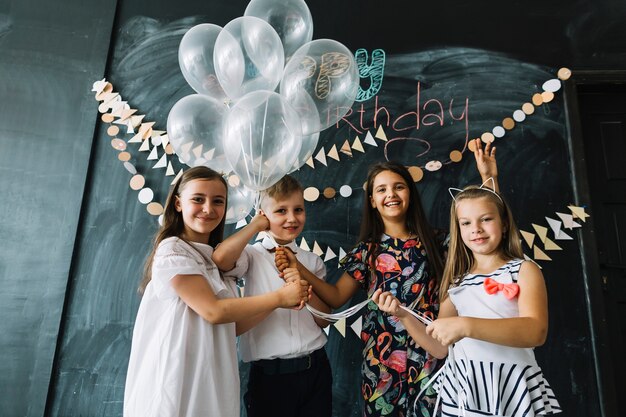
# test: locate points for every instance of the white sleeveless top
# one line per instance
(489, 379)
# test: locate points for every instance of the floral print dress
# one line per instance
(394, 367)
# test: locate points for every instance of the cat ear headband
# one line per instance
(488, 185)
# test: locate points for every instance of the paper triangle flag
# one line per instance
(342, 254)
(380, 134)
(555, 225)
(369, 139)
(145, 127)
(321, 156)
(177, 176)
(304, 245)
(136, 139)
(241, 223)
(540, 255)
(578, 212)
(316, 249)
(145, 146)
(127, 113)
(542, 232)
(197, 151)
(136, 120)
(550, 245)
(153, 154)
(165, 140)
(129, 128)
(170, 170)
(156, 133)
(208, 155)
(162, 162)
(529, 238)
(98, 86)
(310, 162)
(357, 326)
(186, 147)
(568, 220)
(345, 148)
(333, 153)
(356, 145)
(329, 254)
(340, 325)
(327, 330)
(563, 236)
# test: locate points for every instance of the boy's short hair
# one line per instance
(285, 187)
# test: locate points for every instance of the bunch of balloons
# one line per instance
(265, 90)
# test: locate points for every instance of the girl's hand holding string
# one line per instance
(388, 303)
(292, 277)
(284, 258)
(447, 331)
(295, 292)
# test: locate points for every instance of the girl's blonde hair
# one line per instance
(460, 259)
(173, 224)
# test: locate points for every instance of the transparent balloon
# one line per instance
(308, 145)
(321, 76)
(248, 56)
(241, 200)
(195, 57)
(291, 19)
(262, 138)
(194, 128)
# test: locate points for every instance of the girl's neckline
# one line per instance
(493, 271)
(386, 236)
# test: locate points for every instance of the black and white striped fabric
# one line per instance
(486, 379)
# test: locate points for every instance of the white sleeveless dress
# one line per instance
(489, 379)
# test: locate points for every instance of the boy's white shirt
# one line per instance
(285, 333)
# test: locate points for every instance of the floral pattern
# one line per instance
(394, 367)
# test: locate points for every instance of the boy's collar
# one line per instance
(269, 244)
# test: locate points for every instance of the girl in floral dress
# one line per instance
(399, 252)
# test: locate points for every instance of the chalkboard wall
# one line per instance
(75, 236)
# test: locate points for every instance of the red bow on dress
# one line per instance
(510, 290)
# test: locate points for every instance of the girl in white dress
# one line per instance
(494, 311)
(183, 360)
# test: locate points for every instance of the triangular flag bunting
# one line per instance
(129, 128)
(550, 245)
(241, 223)
(329, 254)
(555, 225)
(127, 113)
(340, 325)
(321, 156)
(156, 133)
(369, 139)
(310, 162)
(357, 145)
(357, 326)
(578, 212)
(165, 140)
(304, 245)
(197, 151)
(316, 249)
(333, 153)
(563, 236)
(170, 169)
(177, 176)
(153, 154)
(162, 162)
(136, 119)
(145, 127)
(541, 231)
(568, 220)
(528, 258)
(327, 330)
(186, 147)
(145, 146)
(136, 139)
(342, 254)
(529, 238)
(540, 255)
(380, 134)
(208, 155)
(345, 148)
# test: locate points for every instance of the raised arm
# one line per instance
(416, 329)
(528, 330)
(334, 295)
(226, 254)
(486, 162)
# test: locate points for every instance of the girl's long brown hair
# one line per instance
(372, 226)
(173, 224)
(460, 259)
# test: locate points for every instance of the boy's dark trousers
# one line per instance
(299, 387)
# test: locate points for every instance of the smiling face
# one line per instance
(480, 225)
(390, 196)
(202, 204)
(286, 216)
